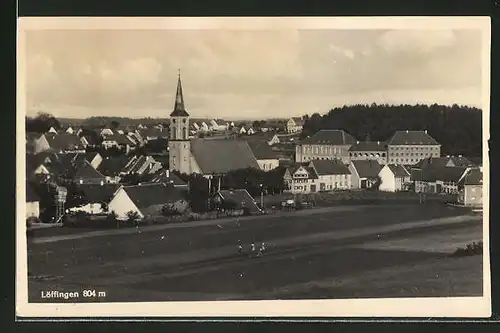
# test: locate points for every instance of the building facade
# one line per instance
(410, 147)
(325, 145)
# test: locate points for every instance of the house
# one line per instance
(438, 179)
(394, 177)
(250, 131)
(166, 177)
(94, 158)
(238, 199)
(294, 125)
(70, 130)
(265, 156)
(471, 189)
(106, 132)
(204, 127)
(120, 141)
(332, 175)
(145, 199)
(218, 125)
(141, 164)
(36, 143)
(32, 203)
(301, 179)
(195, 126)
(369, 150)
(111, 167)
(409, 147)
(154, 133)
(87, 174)
(243, 130)
(364, 173)
(64, 143)
(96, 198)
(52, 130)
(325, 144)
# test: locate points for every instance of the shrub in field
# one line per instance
(470, 250)
(133, 217)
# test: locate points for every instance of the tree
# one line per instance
(133, 217)
(42, 123)
(115, 124)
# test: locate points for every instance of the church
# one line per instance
(203, 156)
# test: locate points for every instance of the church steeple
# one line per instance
(179, 109)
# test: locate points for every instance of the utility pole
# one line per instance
(261, 196)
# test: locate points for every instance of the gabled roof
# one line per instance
(329, 167)
(262, 150)
(401, 138)
(240, 197)
(167, 177)
(369, 146)
(445, 174)
(330, 137)
(31, 195)
(154, 132)
(99, 193)
(64, 141)
(111, 166)
(473, 177)
(87, 171)
(443, 162)
(398, 170)
(298, 121)
(310, 170)
(222, 156)
(367, 168)
(147, 195)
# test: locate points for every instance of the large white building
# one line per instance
(325, 145)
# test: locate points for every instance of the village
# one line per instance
(244, 183)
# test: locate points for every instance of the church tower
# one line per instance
(179, 145)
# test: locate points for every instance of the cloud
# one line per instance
(345, 52)
(421, 41)
(128, 75)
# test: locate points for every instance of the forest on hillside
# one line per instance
(457, 128)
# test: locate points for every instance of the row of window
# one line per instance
(173, 134)
(366, 154)
(411, 154)
(407, 160)
(322, 150)
(432, 148)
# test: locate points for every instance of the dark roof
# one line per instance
(120, 139)
(241, 197)
(179, 109)
(398, 170)
(87, 171)
(443, 162)
(329, 167)
(367, 168)
(222, 156)
(147, 195)
(111, 166)
(369, 146)
(31, 195)
(154, 132)
(330, 137)
(446, 174)
(401, 138)
(99, 193)
(167, 177)
(474, 177)
(64, 141)
(262, 150)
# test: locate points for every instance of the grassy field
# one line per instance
(199, 261)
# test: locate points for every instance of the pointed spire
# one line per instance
(179, 109)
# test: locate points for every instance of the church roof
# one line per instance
(222, 156)
(179, 109)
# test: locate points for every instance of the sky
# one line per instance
(248, 74)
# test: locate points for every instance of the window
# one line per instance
(184, 120)
(173, 120)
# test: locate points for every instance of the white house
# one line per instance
(265, 156)
(96, 198)
(394, 177)
(147, 200)
(204, 127)
(218, 125)
(294, 125)
(52, 130)
(37, 143)
(243, 130)
(250, 131)
(69, 130)
(106, 132)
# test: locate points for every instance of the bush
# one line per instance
(470, 250)
(133, 217)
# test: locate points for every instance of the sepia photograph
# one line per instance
(265, 167)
